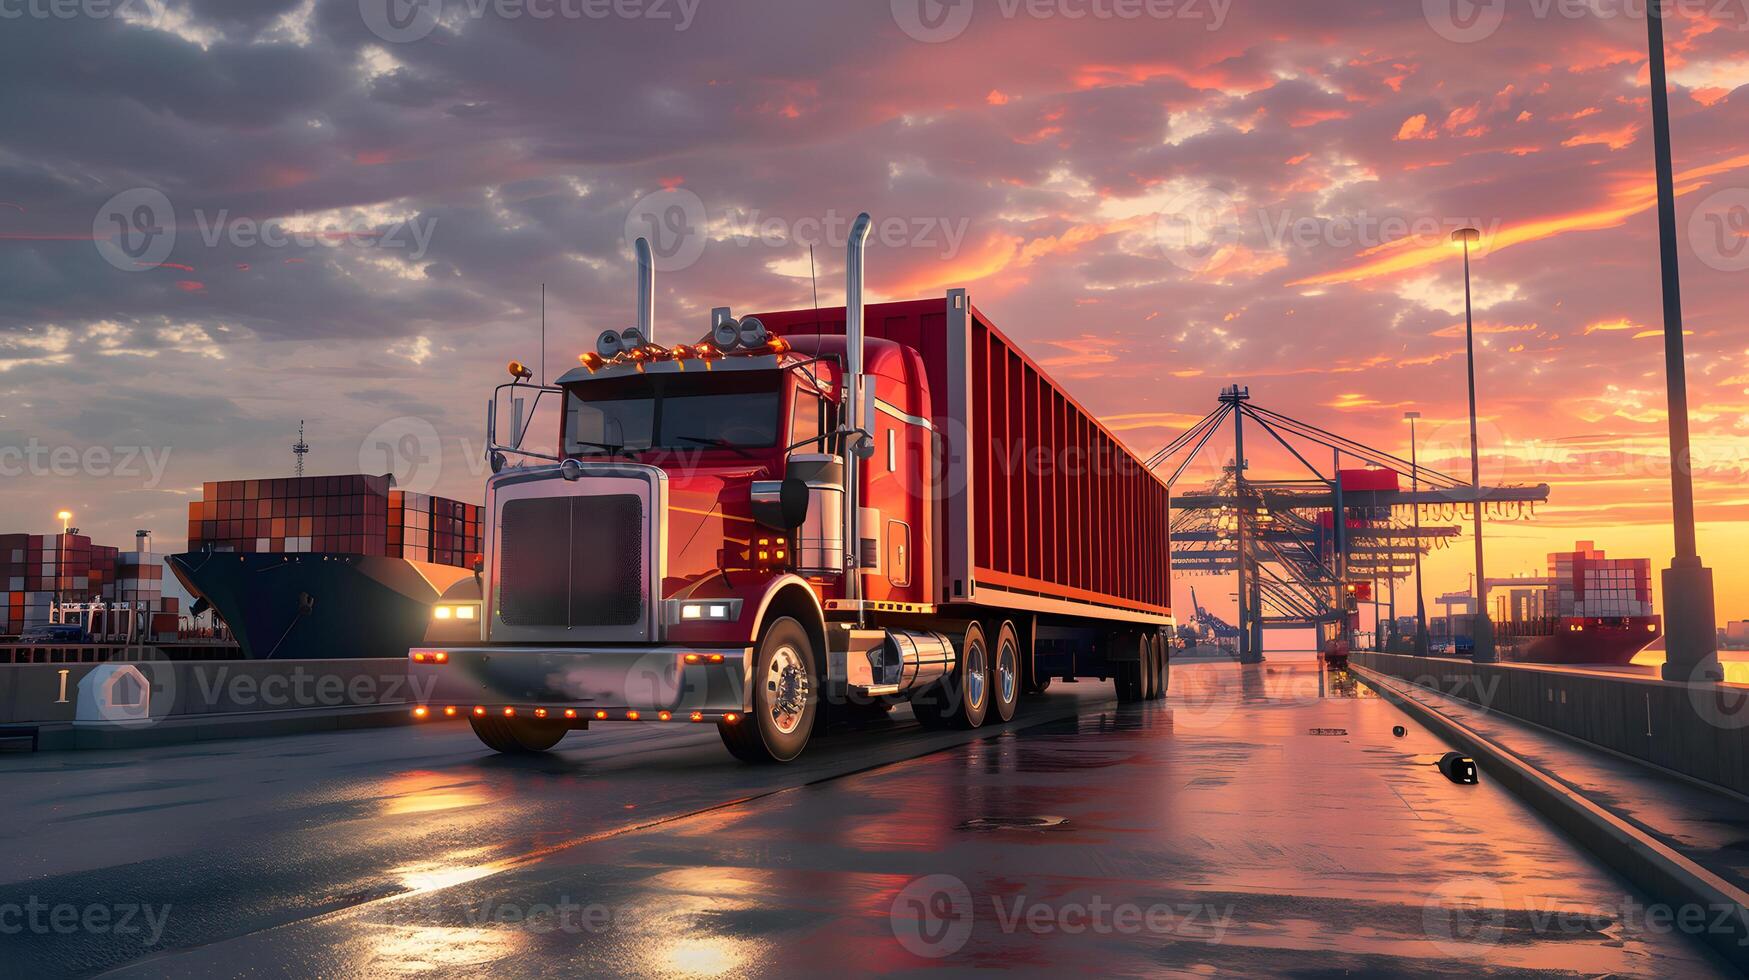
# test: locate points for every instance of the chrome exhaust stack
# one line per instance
(857, 445)
(646, 291)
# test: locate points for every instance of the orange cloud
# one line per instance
(1632, 197)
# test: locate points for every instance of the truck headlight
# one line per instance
(704, 610)
(465, 611)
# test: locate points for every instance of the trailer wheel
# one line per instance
(1131, 676)
(1151, 657)
(517, 736)
(1005, 673)
(962, 699)
(1163, 657)
(786, 696)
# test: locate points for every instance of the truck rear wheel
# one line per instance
(786, 696)
(1163, 660)
(1005, 672)
(1131, 676)
(962, 699)
(517, 736)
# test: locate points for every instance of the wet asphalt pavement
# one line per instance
(1261, 821)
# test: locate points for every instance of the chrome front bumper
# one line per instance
(591, 679)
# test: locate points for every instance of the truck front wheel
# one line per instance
(517, 736)
(786, 695)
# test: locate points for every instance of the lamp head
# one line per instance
(1464, 236)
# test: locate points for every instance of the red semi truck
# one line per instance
(807, 511)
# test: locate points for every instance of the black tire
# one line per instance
(1005, 673)
(1131, 676)
(1151, 663)
(786, 698)
(1163, 657)
(517, 736)
(962, 699)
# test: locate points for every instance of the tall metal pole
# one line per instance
(1690, 637)
(1247, 653)
(1481, 628)
(1420, 593)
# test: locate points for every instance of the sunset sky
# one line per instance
(1208, 192)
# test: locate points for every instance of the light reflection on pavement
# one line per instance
(1262, 821)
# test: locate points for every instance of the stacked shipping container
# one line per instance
(349, 514)
(1586, 583)
(37, 570)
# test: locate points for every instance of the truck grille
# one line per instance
(572, 561)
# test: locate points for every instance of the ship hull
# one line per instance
(1583, 641)
(318, 606)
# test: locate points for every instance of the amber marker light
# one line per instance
(570, 712)
(479, 711)
(421, 711)
(698, 716)
(601, 716)
(663, 716)
(591, 361)
(632, 716)
(519, 371)
(449, 711)
(510, 712)
(540, 712)
(731, 717)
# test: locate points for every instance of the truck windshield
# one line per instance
(673, 412)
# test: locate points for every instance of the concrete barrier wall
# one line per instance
(48, 693)
(1699, 730)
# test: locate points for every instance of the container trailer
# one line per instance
(806, 512)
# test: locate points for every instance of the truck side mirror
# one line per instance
(780, 504)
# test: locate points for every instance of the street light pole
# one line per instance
(1690, 637)
(1415, 486)
(1481, 627)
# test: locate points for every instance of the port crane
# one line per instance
(1299, 565)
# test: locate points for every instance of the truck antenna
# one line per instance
(543, 335)
(816, 282)
(300, 449)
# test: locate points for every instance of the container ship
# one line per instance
(1594, 610)
(326, 567)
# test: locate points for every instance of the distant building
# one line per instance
(1737, 634)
